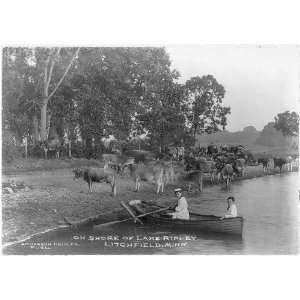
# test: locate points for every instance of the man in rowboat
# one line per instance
(181, 210)
(231, 208)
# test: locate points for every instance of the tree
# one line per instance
(48, 58)
(204, 99)
(164, 121)
(97, 92)
(120, 87)
(31, 77)
(16, 88)
(287, 123)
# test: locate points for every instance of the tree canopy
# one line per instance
(205, 97)
(87, 94)
(288, 123)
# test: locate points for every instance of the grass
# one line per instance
(34, 164)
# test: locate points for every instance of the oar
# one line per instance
(128, 219)
(135, 218)
(153, 204)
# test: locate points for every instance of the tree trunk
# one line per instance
(36, 136)
(26, 147)
(200, 182)
(48, 117)
(195, 132)
(69, 149)
(44, 120)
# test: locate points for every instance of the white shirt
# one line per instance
(181, 210)
(232, 212)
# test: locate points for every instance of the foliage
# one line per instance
(287, 123)
(17, 87)
(119, 91)
(11, 149)
(24, 85)
(205, 96)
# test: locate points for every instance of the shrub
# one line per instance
(11, 150)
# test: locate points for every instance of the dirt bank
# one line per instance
(54, 195)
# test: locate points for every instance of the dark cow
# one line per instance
(202, 164)
(140, 155)
(264, 162)
(207, 166)
(280, 163)
(191, 163)
(239, 166)
(212, 149)
(250, 160)
(52, 145)
(100, 175)
(192, 177)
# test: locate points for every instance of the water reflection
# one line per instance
(129, 239)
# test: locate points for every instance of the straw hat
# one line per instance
(178, 190)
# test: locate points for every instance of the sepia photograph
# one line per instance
(137, 150)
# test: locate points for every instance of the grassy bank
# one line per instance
(34, 164)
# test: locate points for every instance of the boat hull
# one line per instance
(197, 222)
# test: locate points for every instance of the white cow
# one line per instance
(151, 173)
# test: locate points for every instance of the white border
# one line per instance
(135, 23)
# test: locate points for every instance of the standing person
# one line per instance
(231, 208)
(181, 210)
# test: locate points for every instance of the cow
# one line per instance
(295, 163)
(191, 177)
(270, 164)
(117, 161)
(168, 168)
(250, 160)
(202, 151)
(203, 164)
(264, 162)
(289, 161)
(191, 163)
(212, 149)
(151, 173)
(140, 155)
(52, 145)
(224, 148)
(100, 175)
(227, 174)
(207, 166)
(239, 166)
(180, 153)
(280, 163)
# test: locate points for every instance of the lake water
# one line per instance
(270, 206)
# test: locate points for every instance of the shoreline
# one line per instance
(56, 195)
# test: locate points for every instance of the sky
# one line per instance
(260, 81)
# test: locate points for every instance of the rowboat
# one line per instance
(197, 222)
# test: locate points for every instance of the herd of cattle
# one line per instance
(220, 167)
